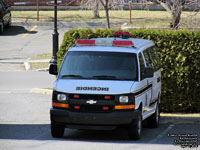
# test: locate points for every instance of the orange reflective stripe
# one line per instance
(54, 104)
(124, 106)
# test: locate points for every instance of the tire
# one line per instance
(135, 128)
(57, 131)
(153, 120)
(1, 29)
(9, 23)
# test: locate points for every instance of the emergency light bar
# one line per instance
(117, 34)
(122, 43)
(124, 35)
(104, 42)
(85, 42)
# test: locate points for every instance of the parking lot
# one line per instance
(24, 119)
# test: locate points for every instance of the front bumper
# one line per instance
(114, 118)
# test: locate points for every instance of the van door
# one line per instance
(145, 88)
(152, 60)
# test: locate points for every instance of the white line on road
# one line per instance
(161, 134)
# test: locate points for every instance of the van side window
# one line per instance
(157, 59)
(147, 58)
(151, 58)
(141, 66)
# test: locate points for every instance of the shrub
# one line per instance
(179, 53)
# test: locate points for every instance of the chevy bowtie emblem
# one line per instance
(91, 102)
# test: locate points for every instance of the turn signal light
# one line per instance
(54, 104)
(118, 107)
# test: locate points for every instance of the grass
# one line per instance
(47, 55)
(140, 18)
(35, 66)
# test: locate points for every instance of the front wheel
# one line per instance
(153, 120)
(1, 28)
(57, 131)
(9, 23)
(135, 128)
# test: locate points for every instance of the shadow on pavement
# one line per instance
(16, 30)
(42, 132)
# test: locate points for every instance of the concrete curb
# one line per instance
(28, 66)
(66, 24)
(165, 117)
(41, 91)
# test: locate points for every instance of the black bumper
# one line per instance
(115, 118)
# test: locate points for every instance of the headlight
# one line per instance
(61, 97)
(123, 99)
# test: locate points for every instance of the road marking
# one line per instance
(33, 28)
(161, 134)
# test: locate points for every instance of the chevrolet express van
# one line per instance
(105, 83)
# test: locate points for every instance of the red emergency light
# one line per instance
(117, 34)
(85, 42)
(123, 43)
(125, 35)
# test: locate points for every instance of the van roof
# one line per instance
(139, 45)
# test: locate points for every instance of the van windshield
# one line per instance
(99, 65)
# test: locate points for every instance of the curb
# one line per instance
(66, 24)
(165, 117)
(28, 66)
(179, 118)
(41, 91)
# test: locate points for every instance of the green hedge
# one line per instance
(179, 53)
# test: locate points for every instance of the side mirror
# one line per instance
(148, 73)
(53, 69)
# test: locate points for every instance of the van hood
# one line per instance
(93, 86)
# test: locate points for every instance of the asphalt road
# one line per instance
(24, 116)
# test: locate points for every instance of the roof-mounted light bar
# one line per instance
(102, 42)
(117, 34)
(85, 42)
(118, 43)
(124, 35)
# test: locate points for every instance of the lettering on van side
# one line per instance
(80, 88)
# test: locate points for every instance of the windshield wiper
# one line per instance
(105, 77)
(72, 76)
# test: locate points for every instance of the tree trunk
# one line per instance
(96, 9)
(176, 9)
(106, 7)
(107, 18)
(107, 15)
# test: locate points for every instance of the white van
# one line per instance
(105, 83)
